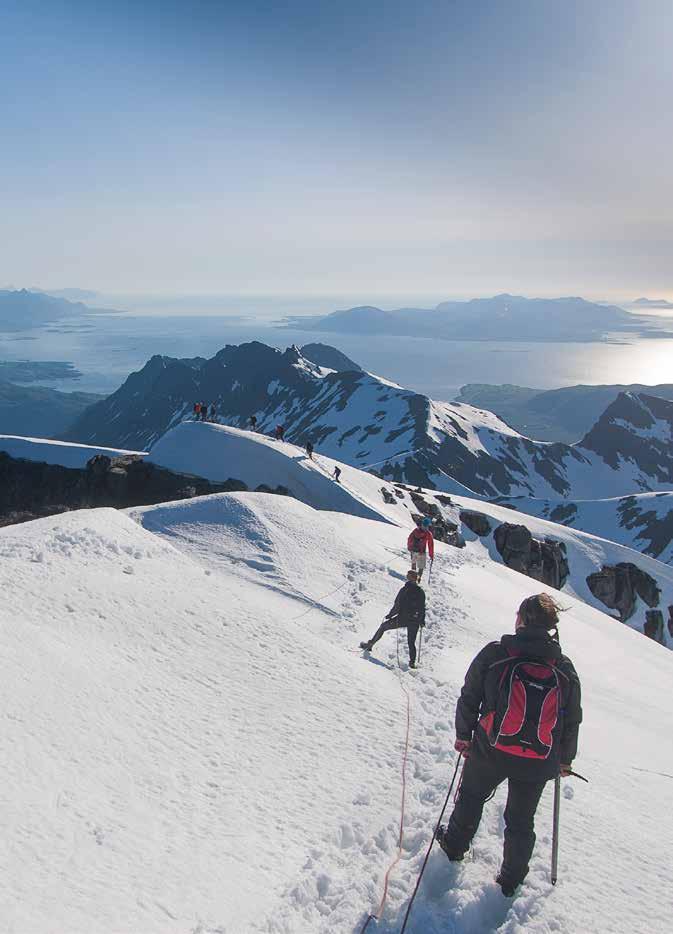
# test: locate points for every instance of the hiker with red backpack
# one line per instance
(421, 539)
(517, 718)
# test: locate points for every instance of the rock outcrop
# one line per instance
(31, 489)
(617, 586)
(476, 522)
(544, 560)
(654, 625)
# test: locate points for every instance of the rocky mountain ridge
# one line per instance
(372, 423)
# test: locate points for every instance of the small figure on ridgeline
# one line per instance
(253, 423)
(517, 718)
(309, 450)
(420, 539)
(213, 411)
(204, 411)
(197, 411)
(337, 474)
(408, 612)
(280, 432)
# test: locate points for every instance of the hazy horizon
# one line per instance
(448, 150)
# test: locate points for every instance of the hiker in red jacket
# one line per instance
(280, 432)
(420, 539)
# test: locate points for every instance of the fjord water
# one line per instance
(106, 348)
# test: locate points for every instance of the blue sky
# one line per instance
(439, 148)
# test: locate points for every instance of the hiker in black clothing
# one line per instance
(517, 718)
(337, 474)
(253, 423)
(213, 412)
(204, 411)
(408, 613)
(309, 450)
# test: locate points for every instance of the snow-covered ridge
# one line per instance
(64, 453)
(219, 453)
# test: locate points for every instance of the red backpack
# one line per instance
(528, 706)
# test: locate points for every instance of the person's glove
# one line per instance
(565, 770)
(463, 746)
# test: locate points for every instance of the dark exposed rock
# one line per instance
(388, 496)
(654, 625)
(544, 561)
(618, 585)
(476, 522)
(444, 500)
(329, 357)
(30, 489)
(670, 621)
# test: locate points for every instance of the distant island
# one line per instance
(32, 371)
(652, 303)
(21, 309)
(500, 318)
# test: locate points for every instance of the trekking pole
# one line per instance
(554, 843)
(434, 834)
(420, 645)
(430, 571)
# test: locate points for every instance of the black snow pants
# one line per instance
(412, 632)
(484, 771)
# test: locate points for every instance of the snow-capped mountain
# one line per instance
(367, 421)
(193, 743)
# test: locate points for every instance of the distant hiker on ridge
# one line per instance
(309, 450)
(280, 432)
(253, 423)
(417, 542)
(204, 411)
(197, 410)
(213, 412)
(517, 718)
(337, 474)
(408, 613)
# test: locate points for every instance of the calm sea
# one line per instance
(106, 348)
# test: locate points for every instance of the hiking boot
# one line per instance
(508, 888)
(367, 646)
(454, 855)
(413, 665)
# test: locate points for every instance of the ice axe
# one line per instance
(557, 814)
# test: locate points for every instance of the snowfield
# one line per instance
(194, 744)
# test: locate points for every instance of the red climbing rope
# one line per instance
(405, 756)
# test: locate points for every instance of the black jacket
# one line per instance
(480, 693)
(409, 606)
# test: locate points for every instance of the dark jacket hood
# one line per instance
(532, 642)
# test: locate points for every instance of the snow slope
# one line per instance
(192, 743)
(214, 451)
(64, 453)
(219, 453)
